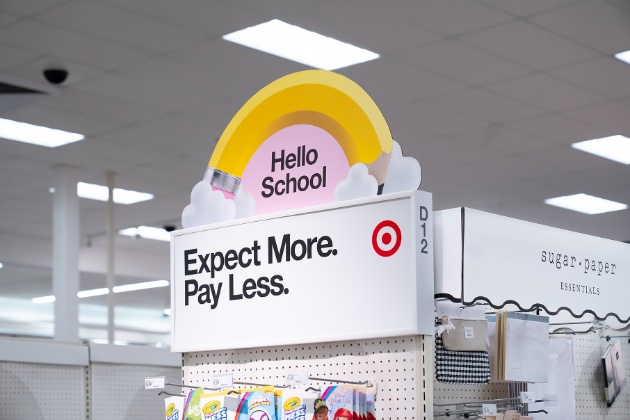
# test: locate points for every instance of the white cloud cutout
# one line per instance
(403, 173)
(245, 204)
(207, 206)
(358, 184)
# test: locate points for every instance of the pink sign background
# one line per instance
(308, 150)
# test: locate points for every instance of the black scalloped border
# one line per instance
(534, 307)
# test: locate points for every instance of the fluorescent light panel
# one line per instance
(585, 203)
(615, 148)
(101, 193)
(297, 44)
(141, 286)
(147, 232)
(93, 292)
(36, 134)
(623, 56)
(103, 291)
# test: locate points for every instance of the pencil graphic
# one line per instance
(319, 98)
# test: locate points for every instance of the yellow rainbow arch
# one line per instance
(320, 98)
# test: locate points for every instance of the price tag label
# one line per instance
(222, 381)
(154, 383)
(296, 378)
(528, 397)
(489, 409)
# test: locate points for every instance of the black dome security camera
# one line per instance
(56, 76)
(169, 228)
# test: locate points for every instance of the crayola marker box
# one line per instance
(174, 407)
(218, 406)
(297, 404)
(255, 405)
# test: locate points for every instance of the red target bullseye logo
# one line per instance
(386, 238)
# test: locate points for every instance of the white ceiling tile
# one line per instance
(12, 57)
(546, 92)
(442, 156)
(99, 106)
(354, 22)
(488, 106)
(607, 76)
(52, 41)
(570, 160)
(211, 17)
(506, 171)
(61, 120)
(611, 116)
(227, 68)
(409, 83)
(529, 7)
(530, 45)
(171, 134)
(97, 19)
(597, 24)
(125, 89)
(27, 7)
(7, 19)
(463, 62)
(558, 129)
(503, 139)
(428, 116)
(449, 17)
(95, 154)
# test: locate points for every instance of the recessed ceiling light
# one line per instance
(1, 265)
(93, 292)
(103, 291)
(101, 193)
(623, 56)
(36, 134)
(585, 203)
(147, 232)
(615, 148)
(141, 286)
(297, 44)
(43, 299)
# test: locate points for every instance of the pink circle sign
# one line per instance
(298, 166)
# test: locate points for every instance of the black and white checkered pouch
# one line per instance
(460, 367)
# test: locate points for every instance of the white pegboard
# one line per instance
(590, 401)
(42, 391)
(395, 364)
(117, 391)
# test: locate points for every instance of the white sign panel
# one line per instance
(507, 259)
(337, 272)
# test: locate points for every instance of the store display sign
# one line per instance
(358, 270)
(482, 256)
(308, 138)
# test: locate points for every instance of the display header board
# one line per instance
(486, 257)
(354, 270)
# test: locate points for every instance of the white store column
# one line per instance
(111, 277)
(66, 253)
